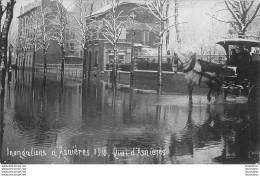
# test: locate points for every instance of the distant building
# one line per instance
(100, 50)
(54, 52)
(73, 48)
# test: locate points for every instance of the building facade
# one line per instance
(73, 49)
(100, 50)
(25, 30)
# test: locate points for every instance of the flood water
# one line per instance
(88, 123)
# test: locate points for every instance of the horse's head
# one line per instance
(185, 58)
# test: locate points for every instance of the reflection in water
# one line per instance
(121, 126)
(2, 124)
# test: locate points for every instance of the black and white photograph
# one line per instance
(132, 82)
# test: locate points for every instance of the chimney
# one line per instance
(21, 10)
(46, 3)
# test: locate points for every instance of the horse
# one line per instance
(197, 71)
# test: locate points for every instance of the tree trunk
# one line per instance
(85, 58)
(89, 63)
(160, 61)
(24, 57)
(1, 15)
(115, 66)
(34, 54)
(62, 63)
(2, 100)
(44, 61)
(160, 67)
(5, 31)
(176, 11)
(62, 66)
(241, 34)
(16, 67)
(132, 60)
(9, 60)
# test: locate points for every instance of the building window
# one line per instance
(110, 57)
(90, 57)
(121, 59)
(30, 61)
(96, 59)
(146, 37)
(71, 48)
(97, 34)
(123, 34)
(27, 59)
(72, 33)
(91, 37)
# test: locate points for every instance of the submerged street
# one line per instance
(89, 123)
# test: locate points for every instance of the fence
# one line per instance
(151, 62)
(74, 70)
(216, 58)
(142, 63)
(59, 65)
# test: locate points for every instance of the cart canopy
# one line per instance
(239, 42)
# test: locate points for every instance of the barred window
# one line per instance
(71, 48)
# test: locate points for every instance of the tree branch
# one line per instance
(252, 2)
(148, 5)
(161, 33)
(251, 19)
(241, 7)
(233, 13)
(112, 43)
(219, 19)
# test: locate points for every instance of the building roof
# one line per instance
(106, 8)
(29, 11)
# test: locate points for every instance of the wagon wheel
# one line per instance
(253, 94)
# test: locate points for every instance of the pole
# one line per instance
(10, 57)
(132, 53)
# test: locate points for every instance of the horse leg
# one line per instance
(217, 89)
(190, 93)
(225, 94)
(210, 85)
(209, 93)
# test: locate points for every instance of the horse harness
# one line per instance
(192, 62)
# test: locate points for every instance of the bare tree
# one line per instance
(112, 28)
(14, 41)
(24, 43)
(2, 11)
(40, 33)
(160, 10)
(8, 10)
(176, 21)
(82, 28)
(60, 24)
(243, 13)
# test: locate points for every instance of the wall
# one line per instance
(172, 82)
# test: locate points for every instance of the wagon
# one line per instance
(243, 55)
